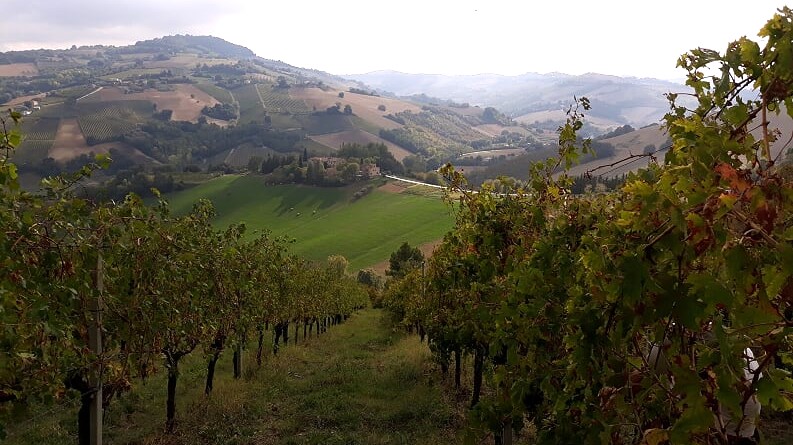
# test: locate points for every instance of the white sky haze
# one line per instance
(619, 37)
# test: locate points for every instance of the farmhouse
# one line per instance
(370, 171)
(329, 162)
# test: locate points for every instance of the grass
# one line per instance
(221, 94)
(32, 152)
(365, 125)
(132, 73)
(324, 221)
(251, 108)
(325, 123)
(40, 129)
(360, 383)
(279, 101)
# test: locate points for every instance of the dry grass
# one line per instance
(70, 143)
(186, 61)
(185, 100)
(494, 130)
(362, 105)
(22, 99)
(19, 69)
(426, 249)
(561, 115)
(394, 187)
(495, 153)
(334, 141)
(625, 145)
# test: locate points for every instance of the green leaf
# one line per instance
(103, 160)
(768, 393)
(695, 418)
(710, 290)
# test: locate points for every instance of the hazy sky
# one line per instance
(620, 37)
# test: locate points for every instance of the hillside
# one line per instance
(651, 138)
(128, 100)
(325, 221)
(536, 98)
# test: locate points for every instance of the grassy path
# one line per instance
(360, 383)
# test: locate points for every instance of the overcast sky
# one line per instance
(620, 37)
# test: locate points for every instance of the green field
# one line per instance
(221, 94)
(251, 108)
(325, 123)
(324, 221)
(32, 151)
(105, 121)
(278, 101)
(132, 73)
(40, 129)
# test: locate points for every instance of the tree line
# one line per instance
(95, 295)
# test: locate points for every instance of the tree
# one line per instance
(688, 260)
(350, 171)
(341, 94)
(381, 107)
(347, 109)
(403, 260)
(368, 277)
(338, 264)
(415, 164)
(255, 164)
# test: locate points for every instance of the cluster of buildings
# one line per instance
(332, 164)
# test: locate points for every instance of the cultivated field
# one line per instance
(487, 154)
(334, 141)
(635, 141)
(32, 152)
(278, 101)
(220, 94)
(322, 123)
(132, 73)
(496, 129)
(625, 145)
(108, 123)
(69, 141)
(561, 115)
(40, 129)
(239, 156)
(324, 221)
(251, 108)
(185, 107)
(19, 69)
(22, 99)
(362, 105)
(186, 61)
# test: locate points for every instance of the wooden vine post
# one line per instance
(95, 343)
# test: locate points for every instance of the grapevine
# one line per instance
(661, 312)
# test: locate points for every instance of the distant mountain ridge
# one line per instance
(615, 100)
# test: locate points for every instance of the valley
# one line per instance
(203, 245)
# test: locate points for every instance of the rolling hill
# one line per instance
(537, 98)
(325, 221)
(120, 95)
